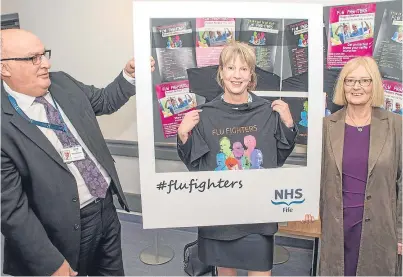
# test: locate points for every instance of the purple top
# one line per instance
(355, 171)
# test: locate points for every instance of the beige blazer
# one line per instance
(382, 220)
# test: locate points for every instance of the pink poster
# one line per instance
(393, 96)
(211, 36)
(174, 101)
(351, 33)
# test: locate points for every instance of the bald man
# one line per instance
(57, 175)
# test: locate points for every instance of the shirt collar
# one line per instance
(23, 101)
(249, 98)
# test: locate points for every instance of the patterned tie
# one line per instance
(93, 178)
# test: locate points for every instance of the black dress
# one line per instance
(253, 252)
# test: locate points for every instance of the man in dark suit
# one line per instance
(57, 175)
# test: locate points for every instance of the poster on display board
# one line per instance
(182, 196)
(174, 102)
(388, 47)
(296, 35)
(263, 36)
(211, 36)
(175, 50)
(393, 96)
(351, 33)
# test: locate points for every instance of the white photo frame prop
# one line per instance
(246, 196)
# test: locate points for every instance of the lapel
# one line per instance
(31, 131)
(378, 134)
(81, 122)
(78, 118)
(336, 131)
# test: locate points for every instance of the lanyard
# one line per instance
(39, 123)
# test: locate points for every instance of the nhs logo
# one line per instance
(288, 197)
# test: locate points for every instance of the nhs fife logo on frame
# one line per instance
(288, 197)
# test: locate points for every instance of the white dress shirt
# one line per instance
(36, 111)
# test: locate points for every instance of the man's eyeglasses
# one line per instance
(362, 82)
(35, 59)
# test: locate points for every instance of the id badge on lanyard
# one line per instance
(69, 154)
(72, 154)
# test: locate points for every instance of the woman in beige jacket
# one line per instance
(361, 193)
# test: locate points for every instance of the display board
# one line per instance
(202, 55)
(279, 194)
(288, 50)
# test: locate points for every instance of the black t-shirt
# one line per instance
(239, 137)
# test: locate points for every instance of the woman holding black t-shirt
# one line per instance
(237, 131)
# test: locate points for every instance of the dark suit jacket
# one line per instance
(40, 210)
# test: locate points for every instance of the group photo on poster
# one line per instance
(212, 34)
(393, 96)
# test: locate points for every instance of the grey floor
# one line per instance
(135, 239)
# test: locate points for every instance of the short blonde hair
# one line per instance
(246, 53)
(339, 97)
